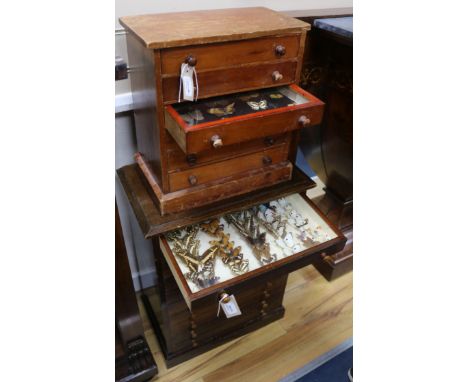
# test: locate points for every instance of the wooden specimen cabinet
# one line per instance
(225, 160)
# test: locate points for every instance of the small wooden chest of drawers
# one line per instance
(243, 59)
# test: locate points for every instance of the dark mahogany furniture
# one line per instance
(133, 359)
(328, 73)
(191, 170)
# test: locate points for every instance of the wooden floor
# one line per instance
(318, 318)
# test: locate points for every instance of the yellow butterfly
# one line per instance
(221, 111)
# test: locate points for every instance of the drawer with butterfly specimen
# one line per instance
(210, 124)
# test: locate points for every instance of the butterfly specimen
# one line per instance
(276, 96)
(186, 247)
(222, 111)
(246, 224)
(193, 116)
(224, 248)
(258, 105)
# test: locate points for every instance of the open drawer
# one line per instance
(236, 250)
(222, 121)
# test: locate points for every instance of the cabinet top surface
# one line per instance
(167, 30)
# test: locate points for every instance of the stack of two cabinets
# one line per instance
(236, 156)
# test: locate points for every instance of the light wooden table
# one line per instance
(318, 318)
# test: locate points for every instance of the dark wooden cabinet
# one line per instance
(328, 74)
(133, 359)
(231, 150)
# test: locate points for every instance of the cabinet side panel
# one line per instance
(143, 82)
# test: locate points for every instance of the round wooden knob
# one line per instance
(280, 50)
(264, 304)
(191, 60)
(193, 325)
(192, 180)
(269, 141)
(194, 335)
(266, 160)
(277, 76)
(191, 159)
(266, 294)
(216, 141)
(194, 343)
(304, 121)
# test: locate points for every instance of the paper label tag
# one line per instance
(230, 307)
(186, 77)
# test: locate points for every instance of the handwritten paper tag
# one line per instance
(229, 306)
(186, 78)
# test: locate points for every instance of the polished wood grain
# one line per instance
(167, 30)
(228, 167)
(228, 54)
(152, 223)
(318, 318)
(234, 79)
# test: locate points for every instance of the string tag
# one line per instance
(229, 305)
(186, 85)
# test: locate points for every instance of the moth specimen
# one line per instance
(248, 227)
(186, 247)
(224, 248)
(222, 111)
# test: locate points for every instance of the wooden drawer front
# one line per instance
(178, 161)
(233, 80)
(309, 238)
(239, 165)
(228, 54)
(233, 130)
(254, 300)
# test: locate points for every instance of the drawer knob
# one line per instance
(269, 141)
(193, 334)
(277, 76)
(191, 60)
(224, 297)
(216, 141)
(191, 159)
(192, 180)
(304, 121)
(266, 160)
(280, 50)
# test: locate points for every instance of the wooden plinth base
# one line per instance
(341, 214)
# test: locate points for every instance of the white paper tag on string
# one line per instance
(186, 79)
(230, 307)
